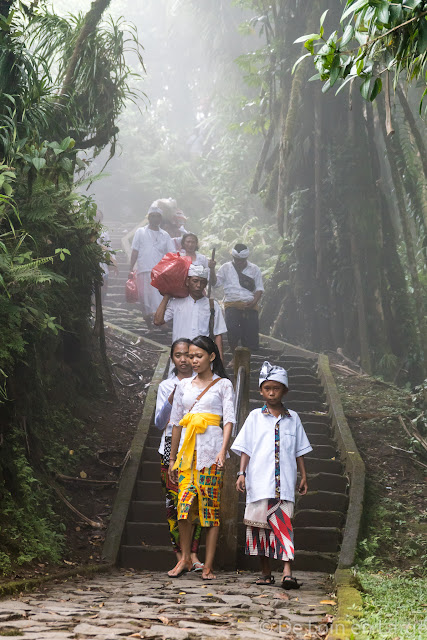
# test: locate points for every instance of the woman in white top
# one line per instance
(202, 446)
(189, 247)
(181, 369)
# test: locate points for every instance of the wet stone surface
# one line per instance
(125, 604)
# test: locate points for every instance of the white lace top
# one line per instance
(218, 400)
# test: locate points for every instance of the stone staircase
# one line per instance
(319, 516)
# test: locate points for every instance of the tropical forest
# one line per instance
(296, 129)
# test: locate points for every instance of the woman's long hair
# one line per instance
(174, 344)
(187, 235)
(205, 343)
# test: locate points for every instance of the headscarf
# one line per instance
(198, 271)
(272, 372)
(244, 253)
(154, 210)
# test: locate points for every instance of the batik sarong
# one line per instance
(171, 495)
(205, 486)
(276, 540)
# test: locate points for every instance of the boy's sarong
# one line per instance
(276, 539)
(171, 494)
(205, 485)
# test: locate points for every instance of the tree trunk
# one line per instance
(92, 18)
(407, 235)
(365, 357)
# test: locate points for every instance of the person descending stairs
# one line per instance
(319, 515)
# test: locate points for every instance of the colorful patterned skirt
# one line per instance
(171, 494)
(205, 486)
(276, 539)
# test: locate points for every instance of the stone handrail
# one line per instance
(130, 472)
(353, 463)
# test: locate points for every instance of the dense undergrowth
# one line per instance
(391, 563)
(49, 255)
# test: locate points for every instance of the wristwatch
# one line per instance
(241, 473)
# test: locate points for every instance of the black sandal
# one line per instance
(265, 580)
(289, 582)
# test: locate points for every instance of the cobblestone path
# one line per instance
(124, 604)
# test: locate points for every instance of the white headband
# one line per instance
(240, 254)
(272, 372)
(198, 271)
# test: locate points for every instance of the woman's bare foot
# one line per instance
(181, 567)
(207, 574)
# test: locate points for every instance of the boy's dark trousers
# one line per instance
(242, 324)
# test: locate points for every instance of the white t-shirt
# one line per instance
(191, 317)
(257, 439)
(218, 400)
(200, 258)
(233, 291)
(151, 246)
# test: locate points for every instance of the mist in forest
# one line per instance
(189, 65)
(333, 207)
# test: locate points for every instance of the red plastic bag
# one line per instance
(170, 274)
(131, 288)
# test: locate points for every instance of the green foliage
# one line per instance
(49, 256)
(376, 36)
(30, 528)
(393, 606)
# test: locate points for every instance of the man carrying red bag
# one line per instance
(191, 316)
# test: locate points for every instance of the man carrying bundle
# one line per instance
(194, 315)
(150, 244)
(243, 288)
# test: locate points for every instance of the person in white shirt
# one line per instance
(181, 369)
(190, 246)
(271, 445)
(149, 245)
(200, 447)
(191, 315)
(243, 288)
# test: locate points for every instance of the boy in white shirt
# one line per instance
(271, 443)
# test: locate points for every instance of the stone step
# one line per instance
(315, 518)
(150, 454)
(147, 510)
(148, 557)
(149, 490)
(323, 501)
(314, 465)
(149, 471)
(140, 534)
(327, 482)
(323, 539)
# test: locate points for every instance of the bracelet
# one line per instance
(241, 473)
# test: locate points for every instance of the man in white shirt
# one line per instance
(243, 288)
(149, 245)
(191, 315)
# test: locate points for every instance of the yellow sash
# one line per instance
(194, 423)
